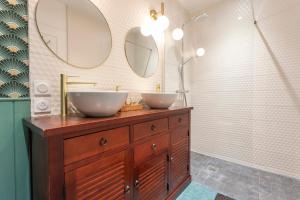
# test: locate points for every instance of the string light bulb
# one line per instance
(200, 52)
(177, 34)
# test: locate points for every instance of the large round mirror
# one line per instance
(141, 52)
(75, 31)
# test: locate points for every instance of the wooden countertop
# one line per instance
(49, 126)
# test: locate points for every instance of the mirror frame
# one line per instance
(131, 67)
(60, 58)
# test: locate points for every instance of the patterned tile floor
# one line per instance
(240, 182)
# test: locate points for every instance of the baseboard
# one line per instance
(248, 164)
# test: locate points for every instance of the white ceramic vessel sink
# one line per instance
(159, 100)
(97, 103)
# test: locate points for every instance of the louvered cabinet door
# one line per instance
(104, 179)
(179, 162)
(151, 179)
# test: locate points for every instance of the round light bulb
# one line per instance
(200, 52)
(145, 31)
(148, 27)
(163, 23)
(177, 34)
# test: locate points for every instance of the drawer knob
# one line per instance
(153, 127)
(154, 147)
(127, 189)
(179, 120)
(172, 159)
(136, 184)
(103, 142)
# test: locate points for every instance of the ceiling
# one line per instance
(194, 6)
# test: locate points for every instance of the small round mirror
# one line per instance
(75, 31)
(141, 52)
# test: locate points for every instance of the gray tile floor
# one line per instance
(240, 182)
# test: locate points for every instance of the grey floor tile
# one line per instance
(240, 182)
(278, 187)
(241, 190)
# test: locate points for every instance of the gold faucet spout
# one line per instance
(158, 88)
(81, 83)
(63, 92)
(63, 95)
(117, 88)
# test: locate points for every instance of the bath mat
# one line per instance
(196, 191)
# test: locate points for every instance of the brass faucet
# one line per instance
(64, 90)
(157, 88)
(117, 88)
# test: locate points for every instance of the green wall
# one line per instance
(14, 157)
(14, 88)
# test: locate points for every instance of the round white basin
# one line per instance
(95, 103)
(159, 100)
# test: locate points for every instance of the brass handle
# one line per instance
(127, 189)
(117, 88)
(153, 127)
(136, 184)
(154, 147)
(103, 142)
(179, 120)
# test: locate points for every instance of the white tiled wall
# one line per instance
(122, 15)
(247, 109)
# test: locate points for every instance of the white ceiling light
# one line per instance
(177, 34)
(200, 52)
(163, 23)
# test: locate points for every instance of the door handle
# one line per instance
(154, 147)
(127, 189)
(136, 184)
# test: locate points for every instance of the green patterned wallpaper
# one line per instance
(14, 63)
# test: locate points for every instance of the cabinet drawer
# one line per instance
(150, 128)
(153, 146)
(79, 148)
(179, 120)
(179, 134)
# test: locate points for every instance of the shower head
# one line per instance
(178, 33)
(198, 17)
(195, 19)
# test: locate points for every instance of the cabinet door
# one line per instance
(179, 162)
(151, 179)
(104, 179)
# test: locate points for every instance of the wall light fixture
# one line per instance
(156, 23)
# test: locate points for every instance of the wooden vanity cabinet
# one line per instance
(179, 156)
(139, 155)
(179, 163)
(151, 178)
(105, 178)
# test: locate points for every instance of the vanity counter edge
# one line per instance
(48, 126)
